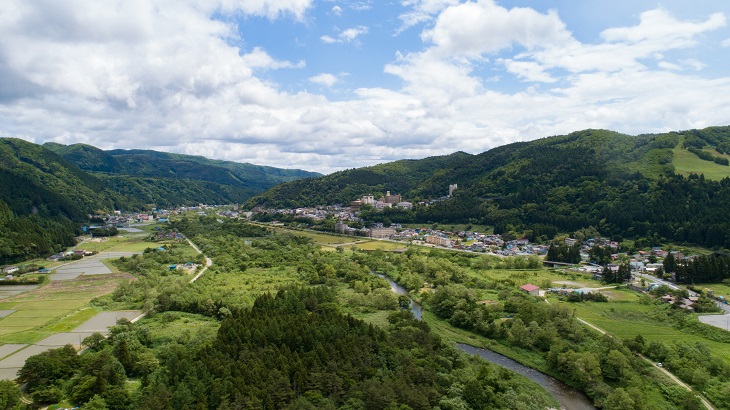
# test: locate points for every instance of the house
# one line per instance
(380, 232)
(10, 269)
(530, 289)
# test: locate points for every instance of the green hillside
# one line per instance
(49, 190)
(232, 181)
(399, 177)
(624, 186)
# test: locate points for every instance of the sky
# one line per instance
(336, 84)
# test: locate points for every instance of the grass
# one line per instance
(626, 320)
(178, 326)
(687, 163)
(382, 245)
(719, 289)
(244, 287)
(320, 238)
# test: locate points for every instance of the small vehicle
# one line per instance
(658, 365)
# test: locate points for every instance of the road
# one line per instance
(661, 369)
(208, 261)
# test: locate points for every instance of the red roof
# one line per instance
(529, 287)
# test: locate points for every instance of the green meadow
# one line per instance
(687, 163)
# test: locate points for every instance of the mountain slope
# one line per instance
(399, 177)
(620, 185)
(168, 180)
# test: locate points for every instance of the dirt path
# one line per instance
(661, 369)
(208, 261)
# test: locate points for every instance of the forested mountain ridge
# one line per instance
(646, 186)
(344, 186)
(48, 190)
(208, 181)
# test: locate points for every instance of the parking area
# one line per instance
(721, 321)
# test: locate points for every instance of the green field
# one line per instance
(719, 289)
(627, 320)
(686, 163)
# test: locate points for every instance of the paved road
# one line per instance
(721, 321)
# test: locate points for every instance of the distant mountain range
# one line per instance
(169, 179)
(644, 187)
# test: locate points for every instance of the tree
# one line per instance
(96, 403)
(93, 341)
(619, 399)
(9, 395)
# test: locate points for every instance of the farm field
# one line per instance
(56, 307)
(719, 289)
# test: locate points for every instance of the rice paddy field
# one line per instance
(56, 307)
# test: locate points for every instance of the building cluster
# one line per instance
(387, 201)
(682, 303)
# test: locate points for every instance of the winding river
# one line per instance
(568, 397)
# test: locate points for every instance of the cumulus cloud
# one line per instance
(473, 28)
(325, 79)
(175, 76)
(421, 11)
(337, 10)
(349, 35)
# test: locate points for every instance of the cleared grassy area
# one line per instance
(687, 163)
(628, 319)
(382, 245)
(178, 327)
(719, 289)
(117, 244)
(242, 288)
(320, 238)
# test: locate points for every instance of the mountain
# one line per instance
(672, 186)
(48, 190)
(344, 186)
(161, 177)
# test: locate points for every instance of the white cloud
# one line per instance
(725, 43)
(325, 79)
(422, 11)
(528, 70)
(474, 28)
(167, 75)
(258, 58)
(349, 35)
(337, 10)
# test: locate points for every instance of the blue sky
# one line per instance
(328, 85)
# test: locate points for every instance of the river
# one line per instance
(568, 397)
